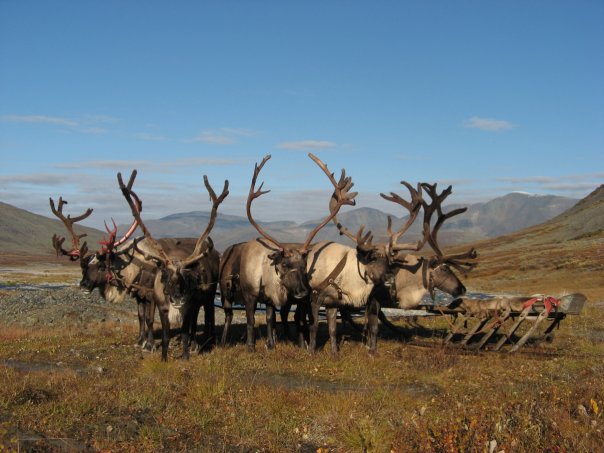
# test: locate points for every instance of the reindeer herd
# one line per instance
(179, 276)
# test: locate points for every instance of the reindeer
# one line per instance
(116, 269)
(415, 276)
(418, 275)
(342, 276)
(184, 282)
(119, 268)
(268, 271)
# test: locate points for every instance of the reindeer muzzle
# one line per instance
(460, 291)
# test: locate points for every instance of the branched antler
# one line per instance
(362, 241)
(413, 206)
(134, 202)
(108, 244)
(340, 197)
(68, 221)
(431, 233)
(256, 194)
(197, 254)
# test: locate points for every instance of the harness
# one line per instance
(317, 292)
(426, 280)
(142, 285)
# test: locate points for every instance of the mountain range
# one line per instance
(562, 255)
(482, 220)
(24, 232)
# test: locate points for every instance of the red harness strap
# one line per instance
(549, 302)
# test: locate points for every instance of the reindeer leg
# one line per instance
(141, 307)
(270, 325)
(250, 306)
(228, 318)
(300, 317)
(209, 315)
(165, 331)
(195, 307)
(372, 325)
(284, 313)
(314, 324)
(185, 329)
(149, 344)
(332, 314)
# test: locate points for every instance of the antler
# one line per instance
(363, 241)
(197, 255)
(109, 243)
(256, 194)
(134, 203)
(68, 221)
(413, 206)
(339, 198)
(431, 233)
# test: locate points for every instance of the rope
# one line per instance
(549, 302)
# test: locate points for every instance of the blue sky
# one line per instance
(489, 96)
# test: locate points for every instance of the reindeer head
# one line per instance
(97, 268)
(176, 278)
(289, 260)
(375, 258)
(437, 270)
(290, 267)
(380, 260)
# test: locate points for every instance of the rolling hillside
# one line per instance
(24, 232)
(27, 233)
(564, 254)
(482, 220)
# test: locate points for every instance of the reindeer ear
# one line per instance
(210, 244)
(363, 251)
(276, 257)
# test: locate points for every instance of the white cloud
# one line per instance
(39, 119)
(93, 130)
(307, 144)
(151, 165)
(87, 125)
(222, 136)
(528, 179)
(150, 137)
(35, 179)
(487, 124)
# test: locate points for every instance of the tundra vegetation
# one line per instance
(79, 386)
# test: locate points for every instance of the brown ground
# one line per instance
(78, 383)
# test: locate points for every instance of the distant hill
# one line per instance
(509, 213)
(24, 232)
(562, 254)
(482, 220)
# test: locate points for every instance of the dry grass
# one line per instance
(96, 390)
(91, 389)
